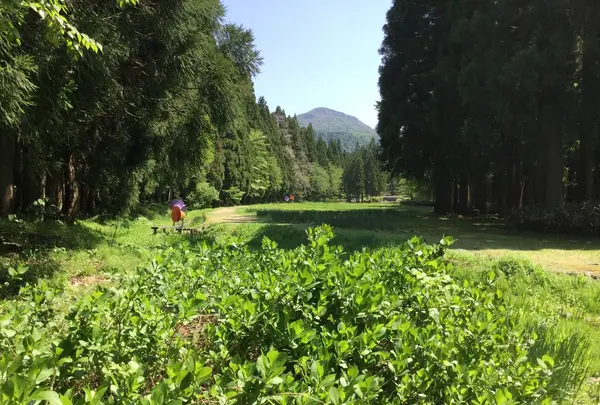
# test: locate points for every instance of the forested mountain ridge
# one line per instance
(334, 125)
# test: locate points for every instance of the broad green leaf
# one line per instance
(52, 397)
(133, 366)
(334, 395)
(548, 360)
(186, 381)
(500, 397)
(44, 375)
(261, 367)
(275, 381)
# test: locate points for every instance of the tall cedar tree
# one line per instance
(492, 101)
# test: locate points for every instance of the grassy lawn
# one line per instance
(528, 265)
(86, 252)
(388, 224)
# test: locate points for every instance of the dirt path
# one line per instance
(229, 215)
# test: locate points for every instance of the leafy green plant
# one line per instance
(227, 324)
(17, 274)
(232, 196)
(511, 267)
(116, 226)
(203, 196)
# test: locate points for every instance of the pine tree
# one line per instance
(321, 150)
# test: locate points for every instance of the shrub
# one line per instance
(376, 199)
(227, 324)
(203, 196)
(570, 218)
(232, 196)
(414, 190)
(512, 267)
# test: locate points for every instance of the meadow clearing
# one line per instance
(496, 316)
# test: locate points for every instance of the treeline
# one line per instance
(363, 175)
(494, 102)
(167, 109)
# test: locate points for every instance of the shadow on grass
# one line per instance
(377, 227)
(150, 211)
(31, 244)
(290, 236)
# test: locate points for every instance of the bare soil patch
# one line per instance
(86, 281)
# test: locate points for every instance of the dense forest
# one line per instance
(154, 101)
(493, 102)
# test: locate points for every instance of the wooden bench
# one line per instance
(179, 229)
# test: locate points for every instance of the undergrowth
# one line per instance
(225, 323)
(568, 218)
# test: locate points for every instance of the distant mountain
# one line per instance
(331, 124)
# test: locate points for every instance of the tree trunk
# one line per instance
(596, 190)
(91, 204)
(539, 181)
(568, 188)
(19, 182)
(571, 192)
(500, 188)
(43, 181)
(464, 200)
(60, 192)
(71, 202)
(444, 192)
(456, 194)
(83, 201)
(479, 190)
(528, 194)
(7, 155)
(31, 182)
(591, 107)
(510, 184)
(517, 183)
(551, 126)
(585, 177)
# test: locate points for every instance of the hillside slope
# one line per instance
(331, 124)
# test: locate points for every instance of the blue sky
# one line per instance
(317, 53)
